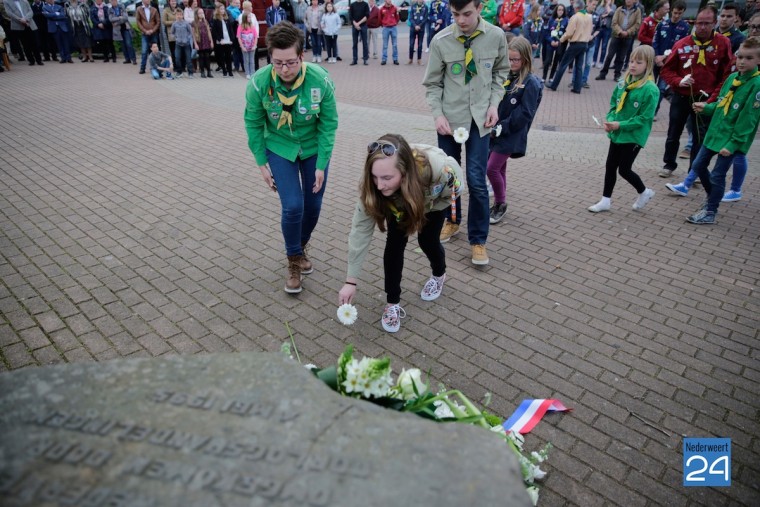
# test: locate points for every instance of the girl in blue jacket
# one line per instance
(509, 137)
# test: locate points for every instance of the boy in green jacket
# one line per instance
(628, 125)
(735, 117)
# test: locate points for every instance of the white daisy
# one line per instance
(497, 130)
(461, 135)
(347, 314)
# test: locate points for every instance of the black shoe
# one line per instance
(62, 61)
(203, 74)
(353, 63)
(209, 74)
(47, 58)
(365, 62)
(40, 63)
(548, 84)
(31, 63)
(497, 213)
(599, 78)
(218, 69)
(576, 91)
(126, 62)
(339, 58)
(382, 63)
(395, 62)
(142, 71)
(617, 78)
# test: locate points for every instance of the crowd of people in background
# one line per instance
(708, 72)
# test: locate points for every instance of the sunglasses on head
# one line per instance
(387, 148)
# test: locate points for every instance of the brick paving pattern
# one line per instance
(132, 225)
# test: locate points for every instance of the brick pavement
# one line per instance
(110, 250)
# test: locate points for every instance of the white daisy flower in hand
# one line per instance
(497, 129)
(461, 135)
(687, 64)
(347, 314)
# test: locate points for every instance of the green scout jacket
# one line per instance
(735, 131)
(637, 114)
(315, 117)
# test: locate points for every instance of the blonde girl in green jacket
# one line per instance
(628, 124)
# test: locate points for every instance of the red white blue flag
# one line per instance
(530, 412)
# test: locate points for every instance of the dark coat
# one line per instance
(516, 113)
(218, 34)
(105, 33)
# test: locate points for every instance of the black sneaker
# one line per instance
(497, 213)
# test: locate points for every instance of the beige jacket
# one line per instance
(447, 93)
(437, 197)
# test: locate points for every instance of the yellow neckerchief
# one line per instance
(630, 85)
(288, 99)
(701, 47)
(470, 69)
(725, 103)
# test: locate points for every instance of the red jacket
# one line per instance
(647, 30)
(707, 77)
(512, 13)
(388, 15)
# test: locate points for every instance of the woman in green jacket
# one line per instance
(291, 119)
(628, 124)
(405, 189)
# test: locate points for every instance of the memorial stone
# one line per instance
(230, 430)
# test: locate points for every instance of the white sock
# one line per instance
(605, 201)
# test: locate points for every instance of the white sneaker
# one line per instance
(392, 316)
(313, 59)
(319, 59)
(643, 199)
(427, 50)
(600, 206)
(433, 288)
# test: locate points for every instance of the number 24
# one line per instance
(693, 476)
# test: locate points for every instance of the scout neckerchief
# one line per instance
(630, 85)
(510, 79)
(701, 46)
(726, 102)
(470, 69)
(289, 98)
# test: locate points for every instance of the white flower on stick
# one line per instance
(347, 314)
(461, 135)
(667, 52)
(687, 64)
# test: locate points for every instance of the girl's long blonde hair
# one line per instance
(645, 53)
(523, 47)
(416, 176)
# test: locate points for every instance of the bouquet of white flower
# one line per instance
(371, 379)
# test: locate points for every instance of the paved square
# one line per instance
(132, 224)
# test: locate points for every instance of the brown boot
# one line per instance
(293, 283)
(306, 267)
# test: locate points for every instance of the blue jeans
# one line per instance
(574, 53)
(183, 58)
(127, 47)
(476, 150)
(147, 40)
(300, 206)
(158, 73)
(249, 62)
(361, 33)
(601, 49)
(589, 59)
(737, 180)
(713, 181)
(392, 32)
(316, 42)
(418, 36)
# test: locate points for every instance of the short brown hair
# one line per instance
(285, 35)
